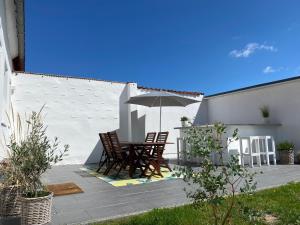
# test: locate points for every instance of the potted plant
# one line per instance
(10, 185)
(286, 152)
(37, 153)
(10, 191)
(184, 121)
(265, 113)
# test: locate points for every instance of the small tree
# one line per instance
(32, 153)
(214, 184)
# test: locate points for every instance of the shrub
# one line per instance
(285, 146)
(184, 118)
(216, 185)
(265, 111)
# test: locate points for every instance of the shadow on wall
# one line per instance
(96, 153)
(138, 127)
(202, 114)
(124, 119)
(138, 134)
(122, 130)
(130, 126)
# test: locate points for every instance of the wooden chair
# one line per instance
(156, 159)
(107, 151)
(121, 158)
(150, 138)
(158, 152)
(146, 151)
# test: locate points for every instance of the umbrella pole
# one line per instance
(160, 115)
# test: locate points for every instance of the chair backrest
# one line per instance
(161, 138)
(106, 144)
(115, 143)
(150, 137)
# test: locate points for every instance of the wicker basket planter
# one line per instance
(287, 157)
(36, 211)
(10, 205)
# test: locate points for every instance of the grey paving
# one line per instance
(101, 201)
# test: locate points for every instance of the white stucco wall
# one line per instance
(76, 110)
(8, 50)
(244, 107)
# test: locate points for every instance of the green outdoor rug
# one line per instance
(124, 180)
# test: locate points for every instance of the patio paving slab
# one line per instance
(101, 201)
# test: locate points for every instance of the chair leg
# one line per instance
(147, 167)
(121, 167)
(115, 167)
(107, 162)
(100, 160)
(165, 164)
(102, 164)
(109, 168)
(156, 166)
(102, 155)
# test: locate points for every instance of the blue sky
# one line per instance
(198, 45)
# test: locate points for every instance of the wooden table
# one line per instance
(132, 151)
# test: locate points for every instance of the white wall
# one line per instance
(76, 110)
(243, 107)
(8, 46)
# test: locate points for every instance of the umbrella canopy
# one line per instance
(160, 99)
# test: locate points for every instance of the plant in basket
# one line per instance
(10, 183)
(37, 153)
(286, 152)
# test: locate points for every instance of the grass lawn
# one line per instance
(281, 205)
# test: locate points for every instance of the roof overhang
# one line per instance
(19, 61)
(254, 87)
(192, 93)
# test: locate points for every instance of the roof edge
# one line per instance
(172, 91)
(254, 86)
(69, 77)
(109, 81)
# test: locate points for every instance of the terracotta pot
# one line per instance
(10, 205)
(286, 156)
(36, 210)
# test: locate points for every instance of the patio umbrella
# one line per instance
(160, 99)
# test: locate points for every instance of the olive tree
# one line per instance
(32, 153)
(215, 183)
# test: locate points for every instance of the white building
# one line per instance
(11, 53)
(77, 109)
